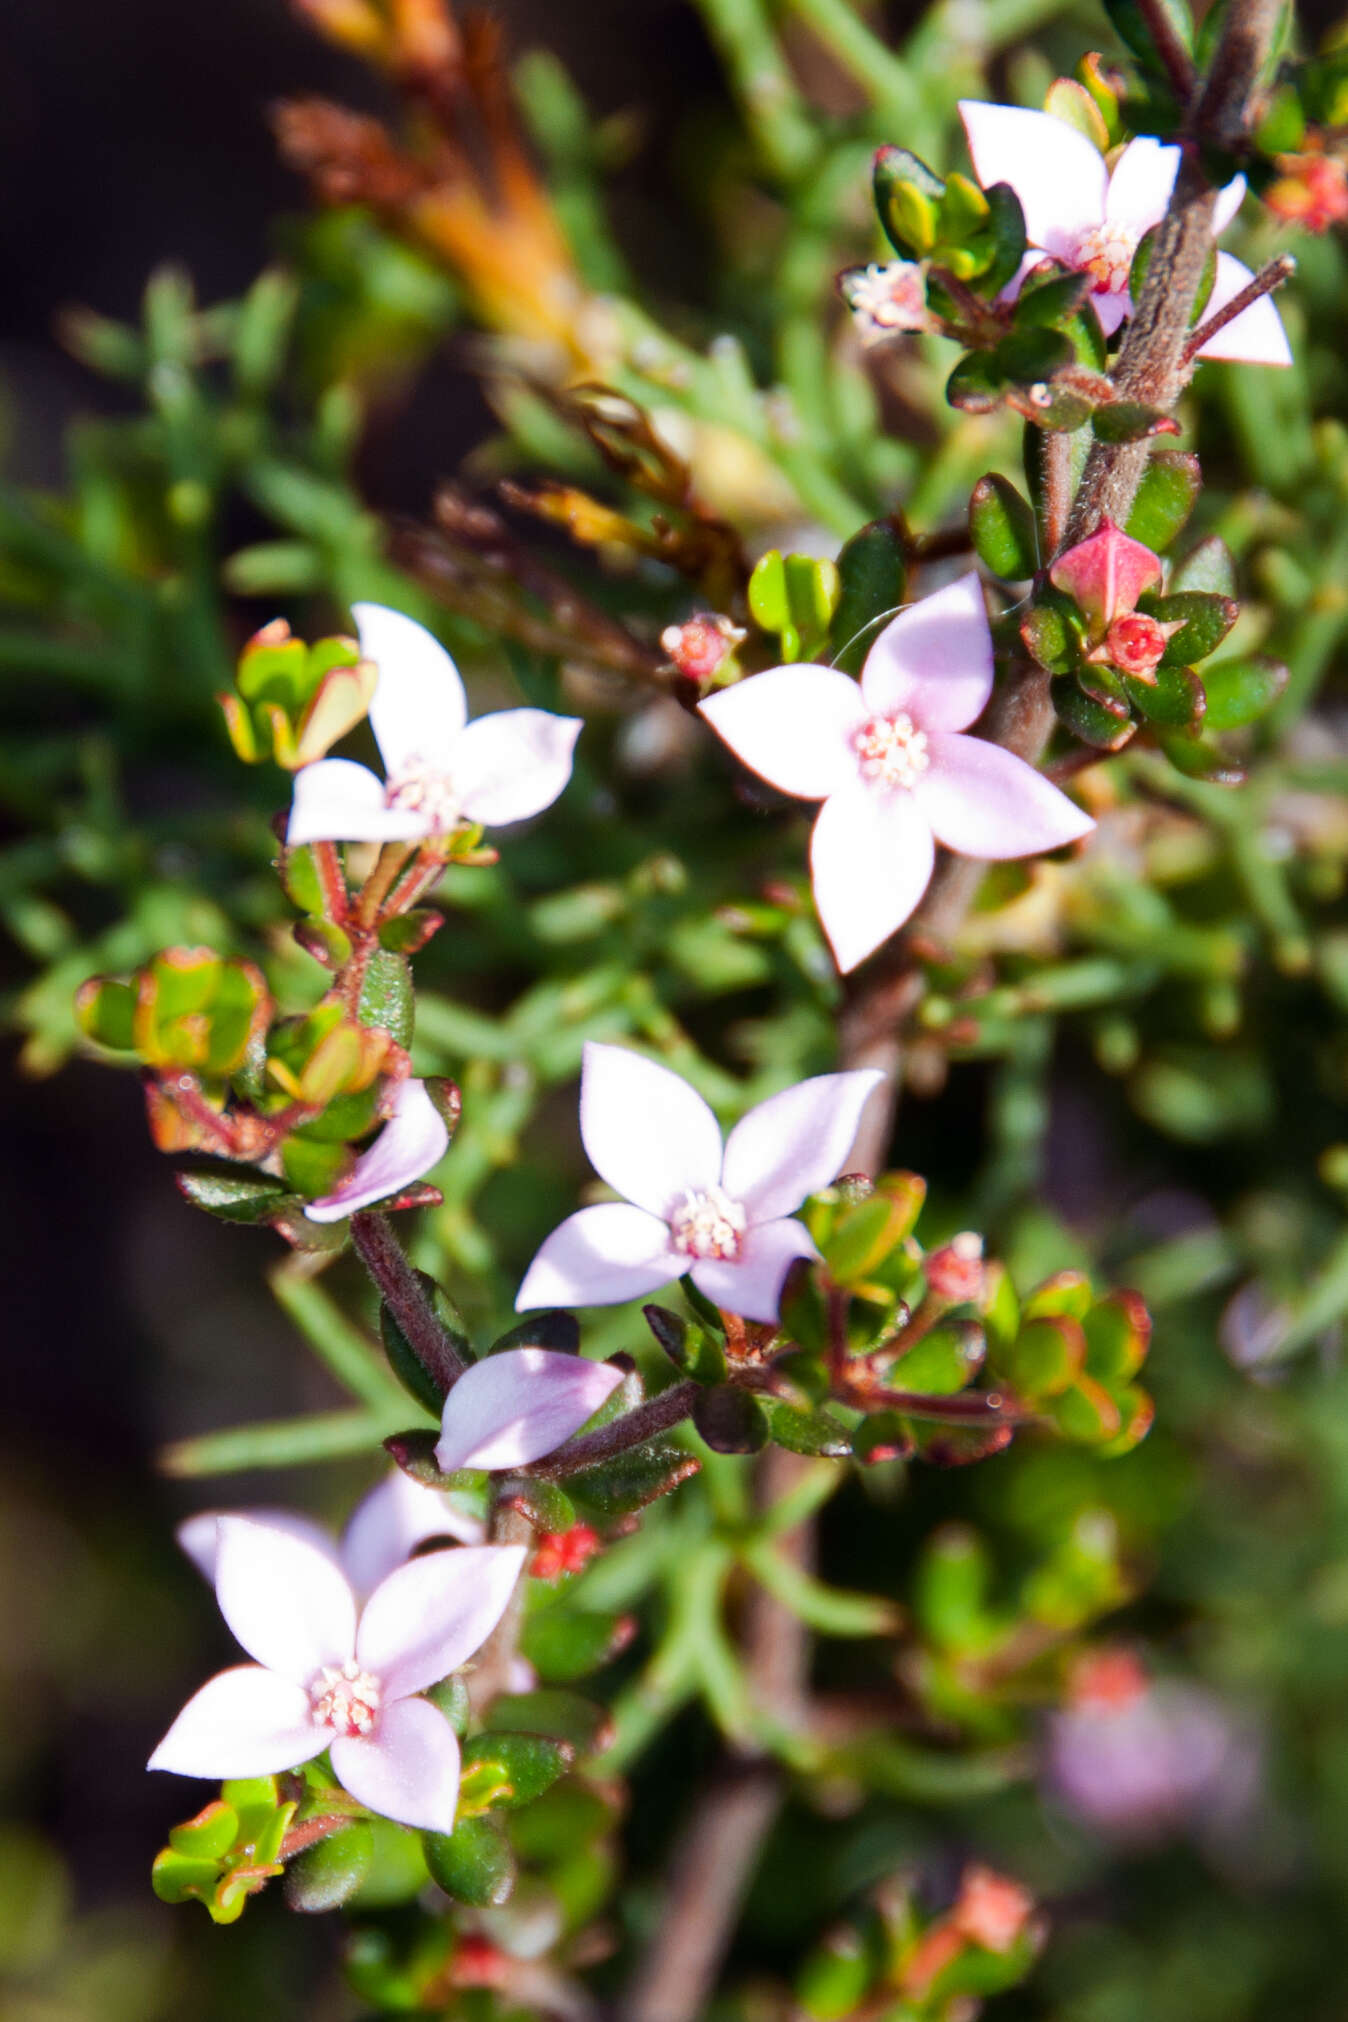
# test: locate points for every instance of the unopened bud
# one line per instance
(700, 645)
(1136, 644)
(478, 1963)
(955, 1271)
(1312, 192)
(564, 1552)
(992, 1910)
(1106, 1681)
(886, 299)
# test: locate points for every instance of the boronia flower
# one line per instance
(690, 1205)
(383, 1531)
(330, 1675)
(514, 1407)
(1093, 219)
(440, 768)
(415, 1138)
(886, 759)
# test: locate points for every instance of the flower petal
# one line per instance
(1229, 201)
(514, 764)
(1111, 310)
(515, 1407)
(429, 1616)
(871, 859)
(752, 1287)
(419, 707)
(1059, 176)
(414, 1139)
(600, 1257)
(408, 1770)
(392, 1520)
(934, 660)
(1139, 188)
(336, 800)
(795, 1142)
(984, 802)
(243, 1722)
(199, 1535)
(286, 1601)
(647, 1132)
(793, 726)
(1256, 336)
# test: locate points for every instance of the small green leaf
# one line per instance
(1165, 498)
(816, 1433)
(1241, 691)
(1105, 727)
(1002, 527)
(328, 1873)
(1050, 634)
(731, 1420)
(1205, 620)
(565, 1716)
(234, 1197)
(548, 1508)
(1175, 698)
(631, 1480)
(873, 583)
(1118, 1332)
(209, 1836)
(1207, 567)
(530, 1763)
(1046, 1355)
(474, 1863)
(386, 998)
(1131, 421)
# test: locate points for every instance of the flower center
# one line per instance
(345, 1697)
(892, 750)
(422, 789)
(708, 1225)
(1105, 252)
(887, 298)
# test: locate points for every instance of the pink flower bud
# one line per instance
(699, 646)
(478, 1963)
(1106, 574)
(955, 1271)
(1135, 644)
(992, 1910)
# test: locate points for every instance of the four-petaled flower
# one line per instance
(440, 768)
(331, 1676)
(690, 1205)
(415, 1138)
(1091, 219)
(886, 759)
(381, 1534)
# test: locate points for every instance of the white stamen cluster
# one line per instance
(421, 789)
(345, 1697)
(887, 298)
(892, 750)
(1105, 252)
(709, 1225)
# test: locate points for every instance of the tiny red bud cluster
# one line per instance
(477, 1963)
(1106, 1681)
(1136, 643)
(700, 645)
(992, 1910)
(955, 1271)
(564, 1552)
(1312, 192)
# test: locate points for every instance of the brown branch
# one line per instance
(719, 1845)
(1263, 283)
(406, 1297)
(646, 1421)
(1179, 65)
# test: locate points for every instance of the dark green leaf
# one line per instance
(1240, 691)
(1051, 638)
(234, 1197)
(976, 385)
(1206, 620)
(631, 1480)
(1131, 421)
(531, 1763)
(1003, 530)
(1207, 567)
(1004, 236)
(1199, 758)
(557, 1331)
(730, 1420)
(564, 1643)
(325, 1875)
(1165, 498)
(1133, 28)
(474, 1863)
(1175, 699)
(386, 997)
(548, 1508)
(808, 1432)
(872, 572)
(1048, 304)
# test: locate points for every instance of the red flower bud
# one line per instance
(1312, 192)
(1135, 644)
(1106, 1681)
(698, 647)
(955, 1271)
(477, 1963)
(992, 1910)
(564, 1552)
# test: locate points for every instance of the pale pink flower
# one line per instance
(415, 1138)
(383, 1531)
(1093, 219)
(514, 1407)
(440, 768)
(330, 1675)
(886, 759)
(722, 1214)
